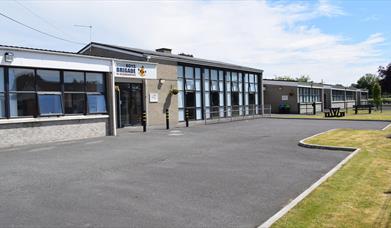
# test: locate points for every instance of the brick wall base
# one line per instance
(17, 134)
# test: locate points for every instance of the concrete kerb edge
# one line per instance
(385, 128)
(296, 118)
(308, 191)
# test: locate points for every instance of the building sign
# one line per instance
(284, 97)
(135, 70)
(153, 97)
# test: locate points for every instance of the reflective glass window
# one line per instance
(197, 73)
(213, 75)
(95, 82)
(21, 79)
(74, 103)
(73, 81)
(48, 80)
(96, 104)
(180, 71)
(189, 72)
(50, 104)
(23, 104)
(1, 80)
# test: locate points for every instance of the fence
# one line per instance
(235, 113)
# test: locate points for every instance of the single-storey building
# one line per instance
(299, 97)
(50, 95)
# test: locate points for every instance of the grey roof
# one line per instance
(173, 57)
(321, 85)
(39, 49)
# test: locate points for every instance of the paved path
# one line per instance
(222, 175)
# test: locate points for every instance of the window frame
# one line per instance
(7, 93)
(4, 115)
(40, 93)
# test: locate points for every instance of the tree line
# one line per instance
(373, 82)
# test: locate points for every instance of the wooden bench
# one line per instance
(334, 112)
(363, 107)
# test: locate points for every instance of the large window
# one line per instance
(350, 95)
(364, 95)
(74, 92)
(189, 96)
(39, 92)
(338, 95)
(309, 95)
(50, 104)
(96, 104)
(2, 93)
(215, 93)
(48, 80)
(22, 92)
(95, 88)
(49, 92)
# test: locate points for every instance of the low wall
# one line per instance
(308, 109)
(17, 132)
(341, 104)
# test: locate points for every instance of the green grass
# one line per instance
(362, 115)
(359, 194)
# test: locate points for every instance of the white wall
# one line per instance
(39, 59)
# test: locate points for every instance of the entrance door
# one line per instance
(235, 103)
(215, 103)
(251, 102)
(190, 104)
(130, 106)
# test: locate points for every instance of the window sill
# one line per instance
(51, 118)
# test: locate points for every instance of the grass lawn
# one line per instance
(359, 194)
(362, 115)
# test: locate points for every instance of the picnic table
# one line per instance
(363, 107)
(334, 112)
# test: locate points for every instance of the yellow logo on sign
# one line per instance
(142, 71)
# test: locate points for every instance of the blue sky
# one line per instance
(333, 41)
(360, 18)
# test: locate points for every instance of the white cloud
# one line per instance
(275, 37)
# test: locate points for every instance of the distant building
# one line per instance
(300, 96)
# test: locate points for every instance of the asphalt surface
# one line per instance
(222, 175)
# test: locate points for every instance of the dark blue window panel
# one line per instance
(50, 104)
(96, 104)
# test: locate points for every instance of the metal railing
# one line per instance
(217, 114)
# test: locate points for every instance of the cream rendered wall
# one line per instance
(156, 111)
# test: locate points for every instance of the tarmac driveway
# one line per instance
(223, 175)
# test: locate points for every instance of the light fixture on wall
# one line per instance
(9, 57)
(162, 81)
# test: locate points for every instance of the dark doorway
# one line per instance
(325, 102)
(215, 102)
(235, 103)
(190, 104)
(130, 104)
(251, 102)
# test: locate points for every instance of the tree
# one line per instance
(377, 94)
(304, 78)
(285, 78)
(385, 78)
(367, 82)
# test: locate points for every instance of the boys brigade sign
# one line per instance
(135, 70)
